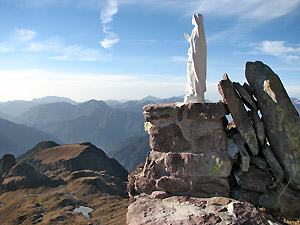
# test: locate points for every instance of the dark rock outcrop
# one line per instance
(23, 176)
(6, 163)
(279, 116)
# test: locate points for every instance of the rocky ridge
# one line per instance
(47, 184)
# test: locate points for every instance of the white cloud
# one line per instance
(109, 42)
(77, 53)
(179, 59)
(25, 41)
(280, 49)
(22, 35)
(107, 13)
(18, 38)
(258, 10)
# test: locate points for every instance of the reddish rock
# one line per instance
(178, 210)
(209, 111)
(182, 173)
(245, 213)
(239, 114)
(186, 127)
(167, 139)
(172, 185)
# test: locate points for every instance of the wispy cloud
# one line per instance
(22, 35)
(281, 49)
(107, 13)
(25, 41)
(179, 59)
(19, 37)
(259, 10)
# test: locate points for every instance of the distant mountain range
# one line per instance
(10, 109)
(92, 121)
(115, 126)
(17, 138)
(130, 152)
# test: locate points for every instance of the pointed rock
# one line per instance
(239, 114)
(281, 120)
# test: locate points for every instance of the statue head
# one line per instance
(196, 20)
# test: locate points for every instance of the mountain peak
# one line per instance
(53, 99)
(151, 98)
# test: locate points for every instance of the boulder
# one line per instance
(255, 179)
(6, 163)
(239, 114)
(281, 119)
(188, 210)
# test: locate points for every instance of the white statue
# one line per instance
(196, 64)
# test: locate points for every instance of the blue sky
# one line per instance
(128, 49)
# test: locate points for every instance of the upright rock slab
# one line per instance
(239, 114)
(281, 120)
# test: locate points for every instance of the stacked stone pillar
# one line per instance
(189, 151)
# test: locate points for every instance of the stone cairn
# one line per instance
(254, 158)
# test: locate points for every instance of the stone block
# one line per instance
(186, 127)
(168, 139)
(187, 165)
(172, 185)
